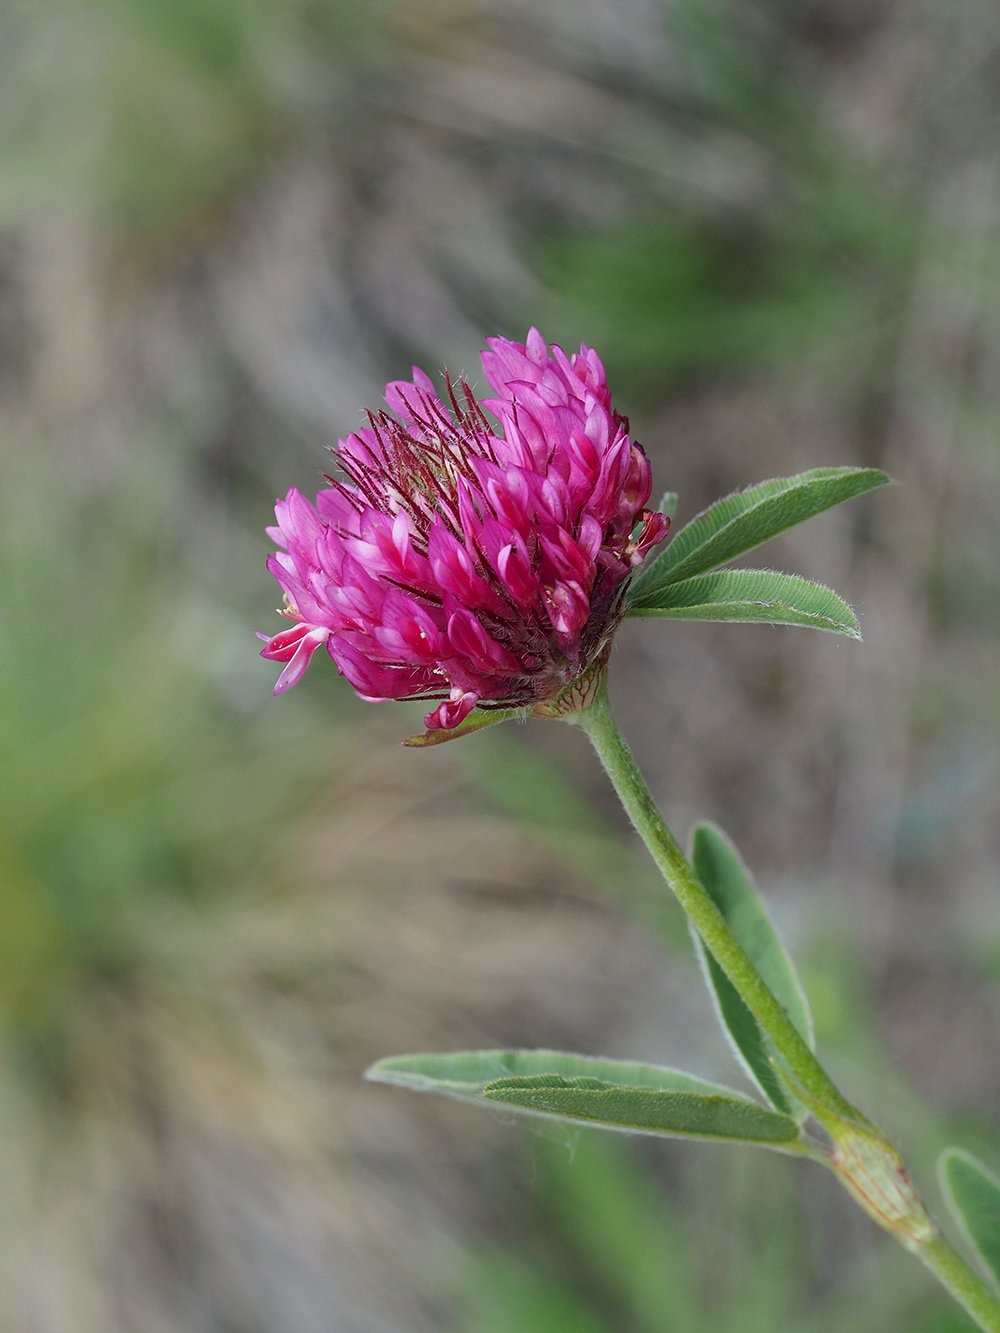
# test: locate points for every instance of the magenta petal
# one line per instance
(468, 638)
(373, 680)
(281, 647)
(453, 569)
(654, 529)
(413, 399)
(514, 568)
(295, 647)
(536, 348)
(569, 608)
(454, 710)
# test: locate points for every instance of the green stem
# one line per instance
(865, 1161)
(967, 1287)
(619, 764)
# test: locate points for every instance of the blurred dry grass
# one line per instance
(222, 226)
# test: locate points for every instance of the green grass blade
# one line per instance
(742, 521)
(467, 1073)
(641, 1110)
(752, 596)
(721, 870)
(973, 1194)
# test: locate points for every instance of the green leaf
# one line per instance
(759, 596)
(721, 870)
(973, 1194)
(618, 1094)
(641, 1110)
(467, 1073)
(740, 522)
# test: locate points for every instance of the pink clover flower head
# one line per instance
(480, 563)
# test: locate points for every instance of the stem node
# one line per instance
(873, 1173)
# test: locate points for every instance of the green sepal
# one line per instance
(477, 720)
(973, 1194)
(740, 522)
(721, 870)
(752, 596)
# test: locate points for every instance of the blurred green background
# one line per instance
(223, 224)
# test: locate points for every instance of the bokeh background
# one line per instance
(223, 224)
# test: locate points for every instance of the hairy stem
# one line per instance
(967, 1287)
